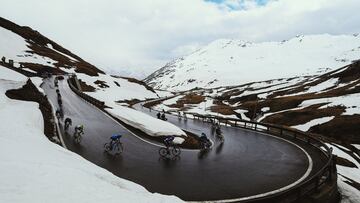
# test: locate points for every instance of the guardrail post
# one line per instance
(245, 124)
(255, 126)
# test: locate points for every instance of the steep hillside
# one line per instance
(232, 62)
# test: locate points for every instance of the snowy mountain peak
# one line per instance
(226, 62)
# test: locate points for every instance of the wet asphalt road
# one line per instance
(248, 163)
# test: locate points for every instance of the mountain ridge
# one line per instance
(228, 62)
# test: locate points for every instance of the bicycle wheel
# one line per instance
(119, 149)
(163, 152)
(222, 138)
(176, 151)
(66, 126)
(78, 139)
(107, 147)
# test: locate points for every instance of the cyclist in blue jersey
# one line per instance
(114, 139)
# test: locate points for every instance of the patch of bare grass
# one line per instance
(85, 87)
(344, 127)
(302, 116)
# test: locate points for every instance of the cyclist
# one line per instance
(219, 134)
(217, 129)
(79, 129)
(185, 117)
(59, 101)
(204, 141)
(57, 113)
(114, 145)
(115, 138)
(168, 141)
(163, 117)
(68, 123)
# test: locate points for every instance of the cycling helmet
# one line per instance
(116, 136)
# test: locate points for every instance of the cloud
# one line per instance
(240, 4)
(138, 36)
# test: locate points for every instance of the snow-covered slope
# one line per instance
(15, 47)
(111, 89)
(227, 62)
(33, 52)
(32, 169)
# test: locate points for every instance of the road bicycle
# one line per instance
(219, 135)
(77, 136)
(169, 151)
(114, 146)
(67, 123)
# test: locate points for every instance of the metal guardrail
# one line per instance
(308, 186)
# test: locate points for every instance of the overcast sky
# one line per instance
(139, 36)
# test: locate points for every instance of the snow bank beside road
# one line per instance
(125, 90)
(349, 194)
(32, 169)
(150, 125)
